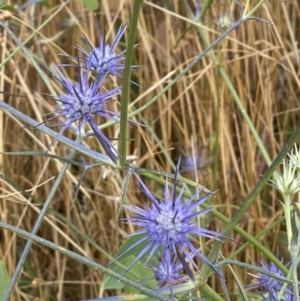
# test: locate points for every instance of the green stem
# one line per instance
(206, 5)
(246, 117)
(293, 240)
(211, 293)
(126, 80)
(287, 215)
(256, 7)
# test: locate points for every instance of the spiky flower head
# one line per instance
(104, 59)
(80, 102)
(173, 275)
(288, 182)
(294, 157)
(166, 225)
(270, 285)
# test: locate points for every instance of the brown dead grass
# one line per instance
(262, 62)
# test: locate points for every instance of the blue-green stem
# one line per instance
(36, 227)
(294, 268)
(73, 145)
(255, 268)
(126, 80)
(32, 237)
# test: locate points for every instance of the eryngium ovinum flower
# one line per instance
(269, 285)
(166, 274)
(104, 59)
(167, 225)
(81, 101)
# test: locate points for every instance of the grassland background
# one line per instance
(196, 116)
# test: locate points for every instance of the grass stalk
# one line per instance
(126, 80)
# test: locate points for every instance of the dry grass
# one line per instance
(262, 62)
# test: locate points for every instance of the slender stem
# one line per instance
(36, 228)
(246, 117)
(217, 124)
(126, 80)
(293, 236)
(287, 215)
(211, 293)
(206, 5)
(76, 146)
(294, 256)
(256, 7)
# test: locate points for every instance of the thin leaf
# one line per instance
(4, 279)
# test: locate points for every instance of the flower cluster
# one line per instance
(167, 225)
(87, 97)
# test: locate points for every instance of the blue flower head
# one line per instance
(270, 285)
(174, 274)
(81, 101)
(104, 59)
(166, 226)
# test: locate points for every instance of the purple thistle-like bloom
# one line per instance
(104, 59)
(165, 274)
(271, 286)
(81, 101)
(167, 225)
